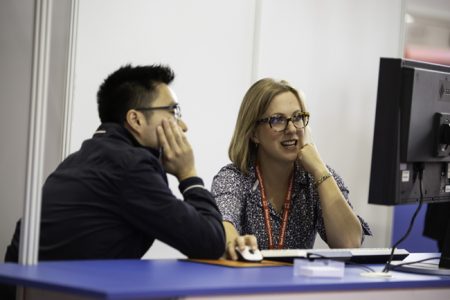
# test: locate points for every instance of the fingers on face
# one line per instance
(162, 139)
(172, 138)
(307, 139)
(301, 150)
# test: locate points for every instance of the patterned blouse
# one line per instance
(239, 199)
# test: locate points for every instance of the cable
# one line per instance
(413, 262)
(419, 167)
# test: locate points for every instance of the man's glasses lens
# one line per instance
(175, 109)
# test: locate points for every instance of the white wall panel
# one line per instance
(16, 35)
(16, 53)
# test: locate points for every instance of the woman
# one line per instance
(278, 193)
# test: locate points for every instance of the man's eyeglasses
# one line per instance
(174, 108)
(279, 122)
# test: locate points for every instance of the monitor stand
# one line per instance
(426, 268)
(439, 267)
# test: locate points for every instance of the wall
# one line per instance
(16, 25)
(16, 52)
(327, 48)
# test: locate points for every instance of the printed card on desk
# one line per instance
(319, 268)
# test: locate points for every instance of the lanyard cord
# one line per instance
(265, 206)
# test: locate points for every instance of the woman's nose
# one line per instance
(290, 127)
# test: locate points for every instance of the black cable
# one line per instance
(413, 262)
(419, 168)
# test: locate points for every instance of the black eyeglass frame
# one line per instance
(174, 107)
(303, 115)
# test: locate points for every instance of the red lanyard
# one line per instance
(265, 206)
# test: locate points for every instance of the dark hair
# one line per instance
(130, 87)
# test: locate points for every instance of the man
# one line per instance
(111, 198)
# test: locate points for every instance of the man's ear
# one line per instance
(134, 120)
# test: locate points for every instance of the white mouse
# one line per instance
(249, 254)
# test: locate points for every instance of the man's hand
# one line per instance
(240, 241)
(177, 154)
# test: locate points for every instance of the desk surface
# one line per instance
(125, 279)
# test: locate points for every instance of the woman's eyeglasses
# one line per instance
(279, 122)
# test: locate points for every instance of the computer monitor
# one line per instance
(411, 152)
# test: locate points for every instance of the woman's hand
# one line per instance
(309, 156)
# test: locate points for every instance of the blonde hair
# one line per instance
(242, 150)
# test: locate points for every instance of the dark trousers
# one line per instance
(7, 292)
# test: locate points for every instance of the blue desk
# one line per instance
(148, 279)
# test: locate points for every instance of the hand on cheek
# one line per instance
(178, 157)
(309, 156)
(306, 137)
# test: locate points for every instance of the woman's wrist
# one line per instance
(321, 174)
(322, 178)
(319, 171)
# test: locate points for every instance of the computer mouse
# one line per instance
(249, 255)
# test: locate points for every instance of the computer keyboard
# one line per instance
(356, 255)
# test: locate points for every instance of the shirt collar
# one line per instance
(118, 131)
